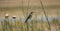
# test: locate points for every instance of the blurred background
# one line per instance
(22, 8)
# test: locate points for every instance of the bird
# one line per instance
(6, 15)
(14, 17)
(30, 15)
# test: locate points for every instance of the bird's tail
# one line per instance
(26, 20)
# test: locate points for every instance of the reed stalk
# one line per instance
(49, 27)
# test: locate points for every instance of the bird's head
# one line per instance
(14, 17)
(6, 15)
(32, 12)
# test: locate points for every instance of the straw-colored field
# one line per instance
(31, 26)
(22, 9)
